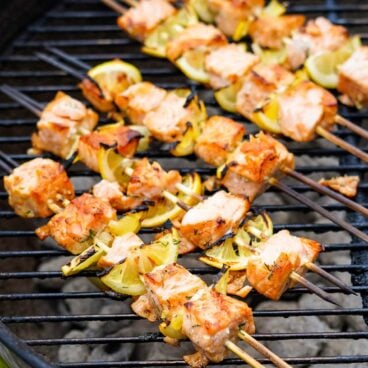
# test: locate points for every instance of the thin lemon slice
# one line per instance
(164, 250)
(82, 261)
(226, 97)
(110, 75)
(274, 9)
(173, 328)
(202, 9)
(124, 278)
(323, 67)
(192, 64)
(267, 118)
(166, 210)
(155, 43)
(112, 166)
(130, 223)
(226, 255)
(241, 30)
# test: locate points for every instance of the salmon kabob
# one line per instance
(193, 46)
(192, 110)
(177, 117)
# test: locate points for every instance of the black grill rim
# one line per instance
(358, 269)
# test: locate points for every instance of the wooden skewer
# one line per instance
(131, 3)
(334, 280)
(66, 68)
(316, 207)
(351, 126)
(243, 355)
(342, 144)
(314, 288)
(73, 60)
(115, 6)
(323, 190)
(275, 359)
(8, 169)
(23, 99)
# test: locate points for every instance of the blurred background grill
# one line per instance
(73, 323)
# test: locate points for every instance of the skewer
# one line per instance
(342, 144)
(323, 190)
(131, 3)
(350, 125)
(115, 6)
(68, 69)
(262, 349)
(243, 355)
(23, 99)
(73, 60)
(314, 288)
(7, 163)
(316, 207)
(51, 60)
(334, 280)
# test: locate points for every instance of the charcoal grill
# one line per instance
(86, 29)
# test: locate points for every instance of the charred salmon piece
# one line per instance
(34, 184)
(75, 227)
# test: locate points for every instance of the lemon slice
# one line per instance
(192, 64)
(166, 210)
(82, 261)
(112, 165)
(226, 255)
(323, 67)
(267, 119)
(173, 328)
(115, 76)
(226, 97)
(130, 223)
(124, 278)
(274, 9)
(164, 250)
(202, 9)
(155, 43)
(241, 30)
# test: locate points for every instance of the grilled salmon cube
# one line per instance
(346, 185)
(75, 227)
(169, 287)
(196, 36)
(150, 180)
(253, 163)
(269, 271)
(353, 79)
(124, 138)
(270, 32)
(259, 85)
(120, 249)
(139, 99)
(208, 221)
(219, 137)
(142, 19)
(61, 123)
(303, 108)
(211, 319)
(229, 13)
(227, 64)
(112, 193)
(318, 35)
(36, 183)
(169, 121)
